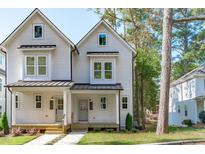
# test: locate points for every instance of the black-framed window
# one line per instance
(38, 31)
(124, 102)
(38, 100)
(102, 39)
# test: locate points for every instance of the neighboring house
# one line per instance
(52, 82)
(187, 97)
(2, 81)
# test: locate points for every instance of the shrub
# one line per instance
(128, 122)
(2, 134)
(202, 116)
(32, 131)
(16, 132)
(24, 131)
(5, 124)
(187, 122)
(1, 128)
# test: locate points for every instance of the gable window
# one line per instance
(17, 101)
(103, 70)
(38, 101)
(38, 31)
(103, 103)
(36, 65)
(124, 102)
(102, 39)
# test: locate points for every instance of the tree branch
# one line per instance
(189, 19)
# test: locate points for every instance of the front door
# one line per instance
(83, 110)
(59, 109)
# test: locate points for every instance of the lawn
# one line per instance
(119, 138)
(18, 140)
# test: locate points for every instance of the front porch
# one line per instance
(58, 109)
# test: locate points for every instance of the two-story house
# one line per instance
(187, 97)
(56, 84)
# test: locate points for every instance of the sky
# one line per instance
(74, 23)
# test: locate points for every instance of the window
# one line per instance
(103, 104)
(108, 70)
(178, 109)
(42, 65)
(36, 65)
(51, 104)
(30, 65)
(103, 70)
(185, 110)
(124, 102)
(17, 101)
(97, 70)
(102, 39)
(1, 59)
(38, 100)
(38, 31)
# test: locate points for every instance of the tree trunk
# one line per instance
(142, 101)
(136, 97)
(162, 125)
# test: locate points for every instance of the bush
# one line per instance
(1, 128)
(128, 122)
(16, 132)
(202, 116)
(2, 134)
(32, 131)
(187, 122)
(5, 124)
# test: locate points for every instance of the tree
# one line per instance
(4, 123)
(162, 125)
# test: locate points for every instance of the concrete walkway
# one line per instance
(72, 138)
(42, 140)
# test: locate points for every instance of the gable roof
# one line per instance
(37, 11)
(199, 71)
(102, 21)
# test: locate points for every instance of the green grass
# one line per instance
(18, 140)
(119, 138)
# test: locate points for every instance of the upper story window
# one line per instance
(103, 70)
(102, 39)
(38, 31)
(36, 65)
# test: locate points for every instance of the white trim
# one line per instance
(41, 101)
(33, 30)
(103, 80)
(106, 104)
(98, 42)
(111, 29)
(37, 11)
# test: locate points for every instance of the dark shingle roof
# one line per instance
(88, 86)
(36, 46)
(54, 83)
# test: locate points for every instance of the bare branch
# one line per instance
(189, 19)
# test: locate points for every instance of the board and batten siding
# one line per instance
(81, 63)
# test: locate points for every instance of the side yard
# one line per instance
(18, 140)
(118, 138)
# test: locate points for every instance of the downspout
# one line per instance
(10, 105)
(5, 94)
(119, 111)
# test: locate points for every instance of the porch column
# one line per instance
(65, 107)
(13, 119)
(69, 108)
(117, 107)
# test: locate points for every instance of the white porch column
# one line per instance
(117, 107)
(65, 107)
(13, 122)
(69, 107)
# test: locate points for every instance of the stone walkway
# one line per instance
(42, 140)
(70, 139)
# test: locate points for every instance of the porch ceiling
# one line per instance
(53, 83)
